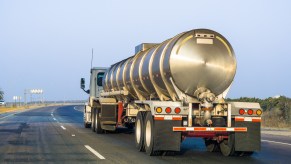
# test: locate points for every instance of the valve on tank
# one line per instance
(206, 97)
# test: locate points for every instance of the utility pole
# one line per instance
(25, 102)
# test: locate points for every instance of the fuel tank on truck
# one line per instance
(199, 58)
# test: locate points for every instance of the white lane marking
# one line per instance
(276, 142)
(94, 152)
(73, 135)
(7, 116)
(13, 114)
(77, 109)
(55, 119)
(63, 127)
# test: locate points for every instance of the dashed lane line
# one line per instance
(8, 116)
(282, 143)
(63, 127)
(94, 152)
(80, 110)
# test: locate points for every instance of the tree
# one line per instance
(1, 94)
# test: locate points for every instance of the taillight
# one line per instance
(259, 112)
(250, 112)
(159, 110)
(241, 111)
(177, 110)
(168, 110)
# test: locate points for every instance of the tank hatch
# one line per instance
(144, 46)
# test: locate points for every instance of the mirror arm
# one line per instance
(88, 91)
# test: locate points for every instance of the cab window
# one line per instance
(100, 76)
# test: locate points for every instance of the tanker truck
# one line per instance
(173, 90)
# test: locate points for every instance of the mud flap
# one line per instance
(164, 137)
(250, 141)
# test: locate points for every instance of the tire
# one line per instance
(93, 119)
(98, 128)
(87, 125)
(211, 145)
(227, 146)
(139, 131)
(149, 135)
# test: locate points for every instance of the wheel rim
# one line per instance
(148, 133)
(138, 131)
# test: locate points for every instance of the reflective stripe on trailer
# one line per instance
(167, 117)
(211, 129)
(250, 119)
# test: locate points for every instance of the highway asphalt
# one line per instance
(56, 135)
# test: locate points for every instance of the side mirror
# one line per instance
(83, 83)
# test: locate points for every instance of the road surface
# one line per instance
(56, 135)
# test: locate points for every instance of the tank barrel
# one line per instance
(199, 63)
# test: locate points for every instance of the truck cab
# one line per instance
(97, 74)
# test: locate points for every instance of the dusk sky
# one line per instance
(46, 44)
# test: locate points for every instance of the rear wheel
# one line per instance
(98, 128)
(139, 131)
(227, 146)
(149, 135)
(211, 145)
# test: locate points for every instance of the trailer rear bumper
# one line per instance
(210, 129)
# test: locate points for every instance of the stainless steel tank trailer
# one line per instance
(173, 90)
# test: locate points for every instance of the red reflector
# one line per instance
(256, 120)
(168, 110)
(241, 111)
(177, 110)
(159, 118)
(239, 119)
(250, 111)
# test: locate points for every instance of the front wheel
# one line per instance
(86, 125)
(93, 120)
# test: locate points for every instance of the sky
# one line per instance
(47, 44)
